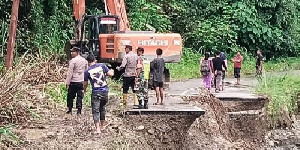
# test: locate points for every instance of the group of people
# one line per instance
(136, 76)
(137, 73)
(214, 69)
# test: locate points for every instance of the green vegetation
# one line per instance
(227, 25)
(271, 25)
(58, 92)
(6, 135)
(282, 91)
(189, 67)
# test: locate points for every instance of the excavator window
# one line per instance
(108, 25)
(107, 28)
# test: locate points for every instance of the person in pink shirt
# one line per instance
(206, 69)
(237, 61)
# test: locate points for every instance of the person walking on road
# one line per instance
(218, 63)
(259, 63)
(206, 70)
(96, 74)
(129, 62)
(75, 77)
(143, 73)
(237, 65)
(158, 66)
(224, 71)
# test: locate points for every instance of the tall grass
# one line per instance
(187, 68)
(282, 90)
(276, 65)
(58, 93)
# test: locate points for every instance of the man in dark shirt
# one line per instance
(96, 74)
(218, 63)
(259, 63)
(158, 66)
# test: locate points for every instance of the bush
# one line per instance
(282, 90)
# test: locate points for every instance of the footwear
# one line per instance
(124, 100)
(69, 111)
(135, 100)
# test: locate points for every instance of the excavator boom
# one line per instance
(78, 9)
(117, 7)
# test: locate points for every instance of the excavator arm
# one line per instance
(78, 9)
(117, 7)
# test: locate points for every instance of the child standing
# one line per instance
(158, 66)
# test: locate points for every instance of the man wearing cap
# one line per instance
(130, 64)
(74, 81)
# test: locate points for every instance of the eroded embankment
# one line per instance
(225, 125)
(219, 128)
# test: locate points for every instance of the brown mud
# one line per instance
(220, 128)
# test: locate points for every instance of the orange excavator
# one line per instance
(106, 36)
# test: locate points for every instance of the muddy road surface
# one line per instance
(238, 121)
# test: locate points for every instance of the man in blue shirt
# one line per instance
(96, 74)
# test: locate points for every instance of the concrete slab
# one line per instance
(172, 106)
(239, 96)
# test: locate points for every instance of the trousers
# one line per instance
(75, 90)
(99, 101)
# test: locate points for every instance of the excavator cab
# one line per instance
(107, 24)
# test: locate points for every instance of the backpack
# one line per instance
(205, 67)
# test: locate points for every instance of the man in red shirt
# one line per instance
(237, 60)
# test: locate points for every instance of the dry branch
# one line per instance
(16, 98)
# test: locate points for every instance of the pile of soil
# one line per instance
(159, 131)
(218, 130)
